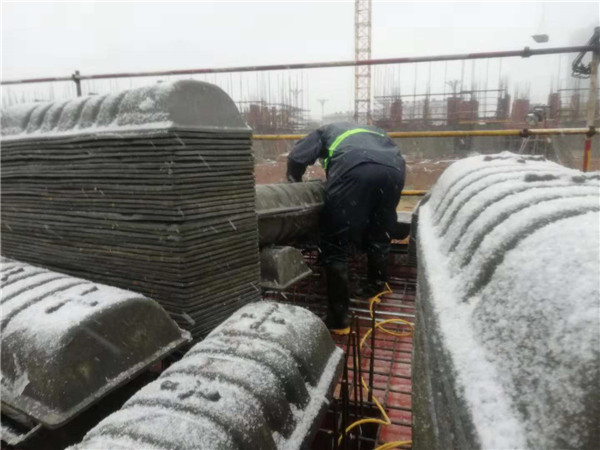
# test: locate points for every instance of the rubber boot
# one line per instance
(376, 275)
(338, 298)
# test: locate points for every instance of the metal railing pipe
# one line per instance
(525, 132)
(524, 53)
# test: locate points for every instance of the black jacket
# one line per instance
(342, 146)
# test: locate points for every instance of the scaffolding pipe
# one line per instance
(525, 132)
(591, 110)
(525, 53)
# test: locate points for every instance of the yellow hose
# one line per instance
(386, 420)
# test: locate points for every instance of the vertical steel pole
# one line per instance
(355, 374)
(336, 433)
(77, 79)
(372, 361)
(345, 401)
(359, 361)
(591, 109)
(587, 153)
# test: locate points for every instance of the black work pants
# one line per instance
(360, 211)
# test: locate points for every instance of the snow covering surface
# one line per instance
(184, 103)
(511, 249)
(44, 305)
(58, 349)
(232, 390)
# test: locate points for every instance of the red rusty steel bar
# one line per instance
(372, 356)
(346, 398)
(525, 132)
(37, 80)
(359, 362)
(525, 53)
(355, 375)
(334, 402)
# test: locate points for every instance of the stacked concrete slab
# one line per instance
(150, 189)
(507, 344)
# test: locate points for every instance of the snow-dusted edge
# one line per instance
(492, 415)
(60, 419)
(114, 131)
(307, 419)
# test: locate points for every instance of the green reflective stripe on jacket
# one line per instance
(341, 138)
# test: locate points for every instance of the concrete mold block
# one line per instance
(261, 380)
(68, 342)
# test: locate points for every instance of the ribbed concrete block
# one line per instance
(261, 380)
(281, 267)
(507, 346)
(68, 342)
(288, 211)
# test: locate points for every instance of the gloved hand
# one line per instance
(294, 171)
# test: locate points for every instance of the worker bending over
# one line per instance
(365, 177)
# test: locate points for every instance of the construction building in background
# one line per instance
(274, 117)
(491, 108)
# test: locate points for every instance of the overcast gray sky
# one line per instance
(54, 39)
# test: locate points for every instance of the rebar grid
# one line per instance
(390, 378)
